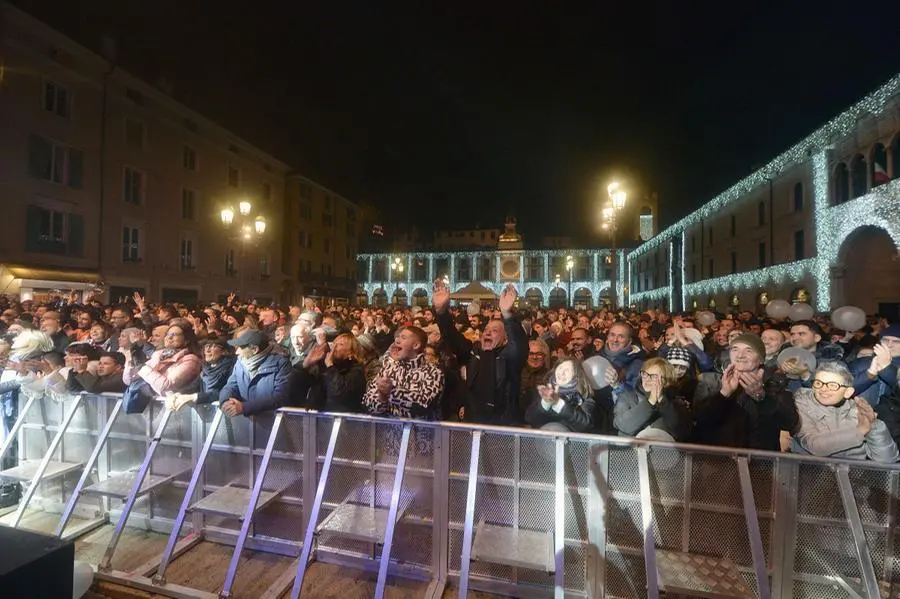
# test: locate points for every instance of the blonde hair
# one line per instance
(668, 371)
(356, 350)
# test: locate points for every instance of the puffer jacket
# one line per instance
(830, 431)
(633, 413)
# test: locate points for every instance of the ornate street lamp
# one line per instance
(245, 228)
(610, 214)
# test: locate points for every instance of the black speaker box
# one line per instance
(35, 566)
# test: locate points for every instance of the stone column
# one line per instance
(452, 273)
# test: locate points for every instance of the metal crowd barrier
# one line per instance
(512, 511)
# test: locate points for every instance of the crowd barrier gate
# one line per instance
(512, 511)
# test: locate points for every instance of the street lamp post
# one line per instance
(244, 227)
(397, 268)
(570, 264)
(557, 277)
(611, 210)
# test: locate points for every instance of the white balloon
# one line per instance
(705, 319)
(595, 368)
(801, 312)
(778, 309)
(849, 318)
(83, 577)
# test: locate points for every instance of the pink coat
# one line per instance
(170, 375)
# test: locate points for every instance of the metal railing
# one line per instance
(511, 511)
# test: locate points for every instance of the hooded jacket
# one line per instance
(830, 431)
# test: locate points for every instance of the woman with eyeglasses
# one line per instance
(651, 410)
(835, 423)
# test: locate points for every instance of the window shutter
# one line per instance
(40, 157)
(76, 235)
(76, 168)
(32, 229)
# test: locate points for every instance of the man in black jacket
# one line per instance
(493, 372)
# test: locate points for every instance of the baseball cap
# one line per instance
(250, 337)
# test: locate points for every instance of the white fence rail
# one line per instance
(512, 511)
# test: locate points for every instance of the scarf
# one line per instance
(215, 375)
(253, 363)
(568, 392)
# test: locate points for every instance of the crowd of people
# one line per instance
(734, 379)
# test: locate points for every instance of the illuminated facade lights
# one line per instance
(880, 207)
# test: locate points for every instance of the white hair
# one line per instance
(30, 342)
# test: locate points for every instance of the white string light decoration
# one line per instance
(879, 208)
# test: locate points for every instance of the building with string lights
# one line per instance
(820, 223)
(554, 276)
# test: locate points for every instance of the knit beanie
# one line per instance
(891, 331)
(678, 356)
(753, 341)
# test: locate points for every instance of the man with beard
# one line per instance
(581, 345)
(494, 371)
(51, 324)
(745, 406)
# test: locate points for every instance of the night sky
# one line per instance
(461, 114)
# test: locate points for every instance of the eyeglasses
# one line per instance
(831, 385)
(649, 375)
(536, 354)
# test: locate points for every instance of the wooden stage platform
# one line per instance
(203, 567)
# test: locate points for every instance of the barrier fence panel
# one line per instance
(827, 560)
(517, 545)
(513, 511)
(54, 438)
(96, 468)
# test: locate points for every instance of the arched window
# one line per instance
(894, 162)
(858, 177)
(798, 197)
(878, 166)
(400, 297)
(841, 185)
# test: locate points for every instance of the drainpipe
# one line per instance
(110, 52)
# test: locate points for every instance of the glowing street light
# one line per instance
(244, 228)
(612, 208)
(570, 264)
(397, 268)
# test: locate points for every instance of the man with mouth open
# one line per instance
(493, 372)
